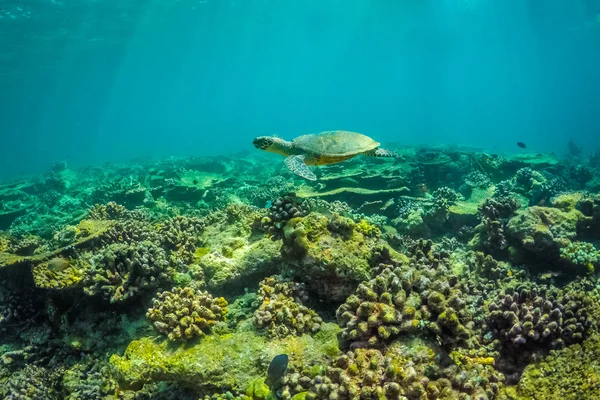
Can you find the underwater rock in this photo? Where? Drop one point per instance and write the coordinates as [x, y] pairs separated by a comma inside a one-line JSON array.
[[331, 255], [538, 234], [184, 313], [229, 362]]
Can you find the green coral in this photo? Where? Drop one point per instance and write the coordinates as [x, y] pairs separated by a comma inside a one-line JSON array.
[[329, 254], [572, 372], [184, 313], [581, 254], [403, 371]]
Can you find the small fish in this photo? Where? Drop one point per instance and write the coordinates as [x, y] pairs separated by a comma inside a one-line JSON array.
[[58, 264], [522, 145], [276, 370], [269, 204]]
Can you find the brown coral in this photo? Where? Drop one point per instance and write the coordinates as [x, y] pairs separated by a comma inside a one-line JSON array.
[[281, 312], [184, 313]]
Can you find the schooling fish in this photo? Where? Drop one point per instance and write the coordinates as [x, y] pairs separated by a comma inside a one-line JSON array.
[[276, 370], [522, 145]]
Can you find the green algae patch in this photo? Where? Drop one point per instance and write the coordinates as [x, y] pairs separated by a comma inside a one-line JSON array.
[[332, 256], [569, 373], [226, 361]]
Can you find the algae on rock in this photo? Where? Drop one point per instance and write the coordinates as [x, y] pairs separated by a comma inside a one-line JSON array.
[[228, 361]]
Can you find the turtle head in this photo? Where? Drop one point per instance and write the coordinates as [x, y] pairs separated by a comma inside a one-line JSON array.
[[263, 142], [273, 144]]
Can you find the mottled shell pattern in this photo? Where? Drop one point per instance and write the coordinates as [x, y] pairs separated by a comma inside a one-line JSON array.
[[335, 143]]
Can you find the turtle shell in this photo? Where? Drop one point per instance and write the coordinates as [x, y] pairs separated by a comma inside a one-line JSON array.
[[335, 143]]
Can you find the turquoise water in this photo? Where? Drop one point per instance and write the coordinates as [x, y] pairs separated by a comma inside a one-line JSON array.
[[95, 81], [169, 232]]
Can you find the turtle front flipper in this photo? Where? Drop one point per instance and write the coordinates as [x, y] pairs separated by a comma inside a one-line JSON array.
[[297, 165], [379, 152]]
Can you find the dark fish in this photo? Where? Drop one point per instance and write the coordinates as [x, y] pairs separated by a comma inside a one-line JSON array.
[[522, 145], [58, 264], [276, 370]]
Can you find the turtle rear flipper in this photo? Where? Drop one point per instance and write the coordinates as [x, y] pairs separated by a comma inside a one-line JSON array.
[[379, 152], [297, 165]]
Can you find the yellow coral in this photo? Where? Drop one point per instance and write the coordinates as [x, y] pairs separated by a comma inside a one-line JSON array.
[[367, 229]]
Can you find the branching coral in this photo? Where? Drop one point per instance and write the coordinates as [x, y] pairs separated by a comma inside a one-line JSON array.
[[181, 234], [110, 210], [525, 318], [26, 245], [120, 271], [89, 381], [184, 313], [404, 300], [31, 383], [581, 255], [130, 231], [394, 375], [494, 214], [282, 210], [281, 312]]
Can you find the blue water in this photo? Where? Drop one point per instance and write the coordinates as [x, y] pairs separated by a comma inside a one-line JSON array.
[[96, 81]]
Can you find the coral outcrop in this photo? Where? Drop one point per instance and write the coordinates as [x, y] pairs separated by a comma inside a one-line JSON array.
[[402, 372], [281, 312], [185, 313], [229, 362], [331, 255], [539, 317], [406, 299], [280, 212], [120, 272]]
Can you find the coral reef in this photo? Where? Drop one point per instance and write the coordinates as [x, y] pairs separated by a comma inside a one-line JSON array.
[[405, 300], [399, 373], [494, 215], [32, 382], [331, 255], [563, 373], [539, 317], [280, 212], [281, 312], [451, 274], [184, 313], [121, 271]]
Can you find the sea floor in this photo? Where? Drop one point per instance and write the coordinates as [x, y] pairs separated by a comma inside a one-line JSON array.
[[448, 273]]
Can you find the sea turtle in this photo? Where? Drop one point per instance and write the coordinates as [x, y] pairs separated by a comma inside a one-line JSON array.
[[321, 149]]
